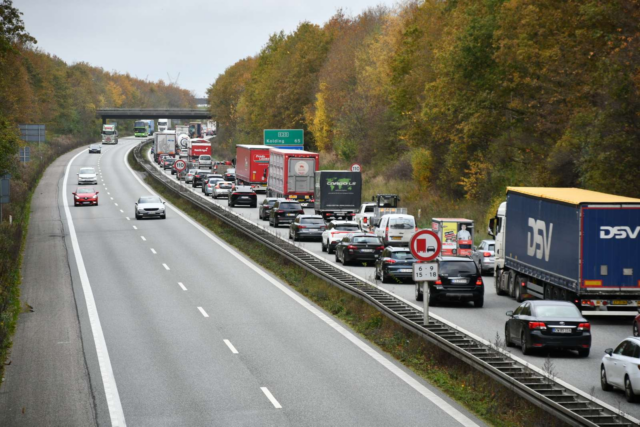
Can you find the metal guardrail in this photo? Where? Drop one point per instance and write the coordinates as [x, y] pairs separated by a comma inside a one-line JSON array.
[[539, 388]]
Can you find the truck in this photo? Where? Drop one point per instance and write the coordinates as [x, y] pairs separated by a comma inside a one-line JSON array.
[[110, 133], [164, 143], [291, 175], [143, 128], [252, 166], [199, 147], [183, 140], [385, 204], [364, 215], [337, 194], [195, 130], [164, 125], [456, 235], [569, 244]]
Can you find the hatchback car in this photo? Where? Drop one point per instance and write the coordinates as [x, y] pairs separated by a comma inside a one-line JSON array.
[[230, 175], [335, 231], [265, 207], [205, 161], [209, 185], [161, 158], [548, 324], [359, 247], [188, 178], [284, 212], [150, 207], [95, 148], [395, 263], [243, 196], [222, 189], [85, 196], [619, 368], [87, 176], [307, 227], [484, 255], [459, 280], [168, 162], [198, 177]]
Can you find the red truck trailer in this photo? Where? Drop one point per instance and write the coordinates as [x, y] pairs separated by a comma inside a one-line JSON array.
[[292, 175], [252, 166], [199, 148]]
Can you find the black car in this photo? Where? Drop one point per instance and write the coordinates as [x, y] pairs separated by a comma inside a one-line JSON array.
[[284, 212], [229, 175], [199, 177], [459, 280], [307, 227], [265, 207], [359, 247], [548, 324], [243, 196], [395, 263], [168, 163]]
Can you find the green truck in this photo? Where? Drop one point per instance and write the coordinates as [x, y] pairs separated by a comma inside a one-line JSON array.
[[143, 128]]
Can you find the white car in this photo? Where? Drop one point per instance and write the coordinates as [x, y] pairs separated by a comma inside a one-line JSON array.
[[205, 161], [396, 229], [334, 232], [87, 176], [619, 368]]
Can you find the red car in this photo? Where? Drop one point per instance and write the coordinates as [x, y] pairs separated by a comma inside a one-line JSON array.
[[636, 325], [85, 196]]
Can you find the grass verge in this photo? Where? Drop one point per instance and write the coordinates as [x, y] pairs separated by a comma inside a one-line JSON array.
[[495, 404]]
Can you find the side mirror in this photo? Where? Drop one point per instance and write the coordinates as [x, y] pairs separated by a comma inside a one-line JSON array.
[[97, 192], [510, 313], [74, 193], [136, 203], [373, 198], [164, 203], [609, 351], [492, 224]]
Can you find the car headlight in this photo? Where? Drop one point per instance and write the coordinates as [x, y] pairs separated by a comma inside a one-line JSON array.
[[77, 197]]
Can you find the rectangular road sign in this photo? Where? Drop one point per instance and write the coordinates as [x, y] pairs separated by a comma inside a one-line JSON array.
[[425, 272], [283, 137]]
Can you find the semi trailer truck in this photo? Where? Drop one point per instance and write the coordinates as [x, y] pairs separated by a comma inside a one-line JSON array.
[[337, 194], [291, 175], [252, 166], [569, 244], [110, 133]]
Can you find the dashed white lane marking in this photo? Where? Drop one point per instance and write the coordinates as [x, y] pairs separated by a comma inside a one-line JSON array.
[[204, 313], [116, 204], [121, 211], [135, 228], [182, 286], [142, 237], [153, 251], [128, 219], [111, 198], [231, 347], [106, 371], [166, 267], [270, 397], [108, 193]]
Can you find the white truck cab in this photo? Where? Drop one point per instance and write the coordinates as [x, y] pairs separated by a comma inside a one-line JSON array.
[[163, 125]]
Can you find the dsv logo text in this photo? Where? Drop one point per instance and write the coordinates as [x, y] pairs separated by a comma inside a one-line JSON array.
[[538, 239], [621, 232]]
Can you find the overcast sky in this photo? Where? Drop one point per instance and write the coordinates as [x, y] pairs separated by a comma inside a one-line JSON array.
[[149, 38]]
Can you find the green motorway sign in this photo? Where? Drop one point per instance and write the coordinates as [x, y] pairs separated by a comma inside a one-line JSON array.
[[283, 137]]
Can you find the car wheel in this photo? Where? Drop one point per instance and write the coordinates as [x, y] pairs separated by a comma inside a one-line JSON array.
[[478, 302], [290, 236], [584, 352], [344, 259], [337, 258], [324, 247], [635, 328], [628, 391], [275, 223], [137, 216], [377, 276], [419, 293], [329, 250], [383, 276], [433, 301], [523, 345], [603, 380], [507, 337]]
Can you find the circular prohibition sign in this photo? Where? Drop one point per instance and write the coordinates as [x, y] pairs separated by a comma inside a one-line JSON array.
[[425, 245], [180, 165]]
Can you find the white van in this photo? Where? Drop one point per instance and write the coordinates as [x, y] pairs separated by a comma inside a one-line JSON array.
[[205, 161], [396, 229]]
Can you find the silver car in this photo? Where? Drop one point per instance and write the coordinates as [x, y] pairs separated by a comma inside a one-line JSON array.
[[484, 255], [207, 188], [87, 176], [188, 178], [222, 188], [95, 148], [150, 207]]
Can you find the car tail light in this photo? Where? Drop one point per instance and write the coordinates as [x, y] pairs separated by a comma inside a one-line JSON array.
[[364, 219], [389, 261], [584, 327], [301, 212], [280, 211], [209, 185], [302, 226], [537, 325], [386, 233], [380, 248], [236, 194], [479, 282], [416, 228], [486, 254], [351, 214], [438, 282], [351, 247]]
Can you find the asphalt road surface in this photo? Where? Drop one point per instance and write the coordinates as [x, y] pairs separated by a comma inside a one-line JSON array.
[[180, 329], [488, 322]]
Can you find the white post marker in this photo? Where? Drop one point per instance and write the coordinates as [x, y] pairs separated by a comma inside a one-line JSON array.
[[425, 246]]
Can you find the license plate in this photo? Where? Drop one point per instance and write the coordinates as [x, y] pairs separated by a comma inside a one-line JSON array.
[[561, 330], [619, 302], [366, 250], [291, 214], [245, 197], [405, 270], [459, 281], [396, 237]]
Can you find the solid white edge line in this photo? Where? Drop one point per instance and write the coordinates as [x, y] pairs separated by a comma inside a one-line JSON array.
[[182, 286], [166, 267], [108, 379], [153, 251], [204, 313], [231, 347], [408, 379], [272, 399]]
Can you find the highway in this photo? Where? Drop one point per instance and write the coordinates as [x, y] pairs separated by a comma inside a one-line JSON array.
[[187, 331], [488, 322]]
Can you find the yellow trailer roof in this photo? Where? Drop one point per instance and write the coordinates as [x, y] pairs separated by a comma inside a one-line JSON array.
[[574, 196]]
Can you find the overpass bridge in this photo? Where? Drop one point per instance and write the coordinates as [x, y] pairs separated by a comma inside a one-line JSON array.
[[153, 113]]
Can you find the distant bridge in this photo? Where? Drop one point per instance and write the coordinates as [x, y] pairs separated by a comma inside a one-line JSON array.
[[152, 113]]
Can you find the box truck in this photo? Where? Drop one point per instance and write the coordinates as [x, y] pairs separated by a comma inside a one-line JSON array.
[[164, 125], [337, 194], [456, 235], [291, 175], [164, 143], [252, 166], [199, 148], [110, 133], [569, 244]]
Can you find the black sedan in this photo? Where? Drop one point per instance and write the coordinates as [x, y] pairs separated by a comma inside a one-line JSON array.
[[459, 280], [307, 227], [359, 247], [243, 196], [284, 211], [395, 263], [548, 324], [168, 163], [265, 207]]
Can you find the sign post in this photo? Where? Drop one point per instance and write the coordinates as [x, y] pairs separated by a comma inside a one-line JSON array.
[[425, 246]]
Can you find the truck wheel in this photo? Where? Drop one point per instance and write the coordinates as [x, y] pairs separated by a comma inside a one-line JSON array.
[[498, 283], [512, 279], [419, 293], [518, 290]]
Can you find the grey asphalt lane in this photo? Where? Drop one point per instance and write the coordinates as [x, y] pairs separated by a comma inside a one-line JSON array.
[[488, 322], [170, 361]]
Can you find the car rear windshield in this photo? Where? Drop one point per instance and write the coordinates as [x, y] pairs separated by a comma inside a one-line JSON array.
[[367, 239], [290, 206], [402, 223], [87, 170], [270, 203], [368, 209], [205, 157], [562, 311], [457, 268], [346, 227], [312, 221], [224, 185], [401, 255], [492, 247]]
